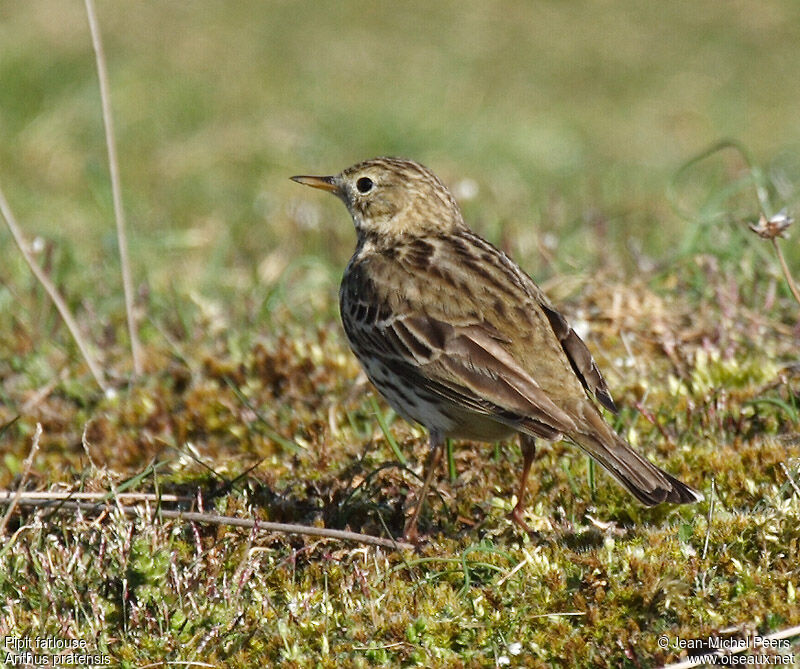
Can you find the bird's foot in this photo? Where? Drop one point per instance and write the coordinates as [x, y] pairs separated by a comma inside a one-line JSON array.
[[516, 516], [411, 535]]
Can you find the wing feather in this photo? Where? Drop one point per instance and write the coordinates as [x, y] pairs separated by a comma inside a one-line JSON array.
[[580, 358], [469, 366]]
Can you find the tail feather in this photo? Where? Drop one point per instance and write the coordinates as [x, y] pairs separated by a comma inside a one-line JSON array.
[[649, 484]]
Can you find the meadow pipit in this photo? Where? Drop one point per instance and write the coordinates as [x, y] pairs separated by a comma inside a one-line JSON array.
[[459, 339]]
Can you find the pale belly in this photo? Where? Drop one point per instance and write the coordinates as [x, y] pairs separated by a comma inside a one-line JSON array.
[[432, 412]]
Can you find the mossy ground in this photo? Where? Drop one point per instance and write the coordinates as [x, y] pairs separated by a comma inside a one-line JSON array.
[[579, 163]]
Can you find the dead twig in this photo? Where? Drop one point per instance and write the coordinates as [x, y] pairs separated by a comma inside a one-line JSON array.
[[214, 519], [5, 496]]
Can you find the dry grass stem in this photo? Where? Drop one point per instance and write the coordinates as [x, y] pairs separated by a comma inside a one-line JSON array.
[[52, 291], [710, 517], [18, 495], [116, 189], [786, 471], [772, 228], [786, 272]]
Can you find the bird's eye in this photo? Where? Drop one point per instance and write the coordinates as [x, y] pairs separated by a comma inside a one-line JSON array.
[[364, 185]]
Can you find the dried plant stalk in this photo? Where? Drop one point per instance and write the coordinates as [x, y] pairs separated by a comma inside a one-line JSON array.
[[786, 273], [116, 189], [772, 228], [52, 291]]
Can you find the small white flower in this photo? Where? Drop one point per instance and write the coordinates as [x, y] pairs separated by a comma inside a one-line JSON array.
[[773, 227]]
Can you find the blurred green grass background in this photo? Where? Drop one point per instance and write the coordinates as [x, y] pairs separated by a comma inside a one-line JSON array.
[[562, 114]]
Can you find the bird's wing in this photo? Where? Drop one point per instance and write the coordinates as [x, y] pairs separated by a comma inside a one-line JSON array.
[[470, 366], [531, 305], [580, 358], [522, 305]]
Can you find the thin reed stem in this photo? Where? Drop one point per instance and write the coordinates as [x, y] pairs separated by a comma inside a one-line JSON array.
[[52, 291], [26, 470], [786, 272], [116, 189]]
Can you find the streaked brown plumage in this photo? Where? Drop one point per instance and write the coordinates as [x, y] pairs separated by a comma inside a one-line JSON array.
[[458, 338]]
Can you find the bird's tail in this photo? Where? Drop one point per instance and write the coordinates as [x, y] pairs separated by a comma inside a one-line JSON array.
[[646, 482]]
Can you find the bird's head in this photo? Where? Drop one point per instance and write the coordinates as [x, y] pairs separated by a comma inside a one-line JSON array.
[[391, 198]]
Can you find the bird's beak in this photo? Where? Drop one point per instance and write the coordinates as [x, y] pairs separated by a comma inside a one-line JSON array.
[[324, 183]]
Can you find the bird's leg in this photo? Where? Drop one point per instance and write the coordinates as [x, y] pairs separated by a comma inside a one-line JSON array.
[[436, 442], [528, 445]]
